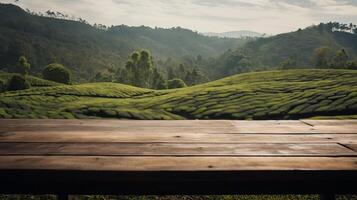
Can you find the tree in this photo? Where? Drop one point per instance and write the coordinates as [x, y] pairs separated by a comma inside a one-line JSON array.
[[102, 77], [340, 59], [352, 65], [321, 57], [57, 72], [176, 83], [195, 77], [3, 86], [23, 67], [171, 74], [18, 82], [288, 64], [159, 81], [140, 72]]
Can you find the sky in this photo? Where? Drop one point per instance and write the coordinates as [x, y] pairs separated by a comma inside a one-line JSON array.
[[263, 16]]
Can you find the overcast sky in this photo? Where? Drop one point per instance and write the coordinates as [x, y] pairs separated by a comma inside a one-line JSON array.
[[264, 16]]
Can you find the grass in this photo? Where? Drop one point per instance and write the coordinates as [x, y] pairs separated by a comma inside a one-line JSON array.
[[290, 94]]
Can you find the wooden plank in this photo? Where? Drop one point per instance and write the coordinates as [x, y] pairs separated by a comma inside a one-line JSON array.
[[273, 127], [193, 126], [352, 146], [120, 130], [127, 163], [116, 123], [333, 126], [174, 149], [114, 136], [330, 122]]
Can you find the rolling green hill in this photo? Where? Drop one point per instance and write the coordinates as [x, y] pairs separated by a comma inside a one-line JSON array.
[[289, 94], [86, 49], [34, 81]]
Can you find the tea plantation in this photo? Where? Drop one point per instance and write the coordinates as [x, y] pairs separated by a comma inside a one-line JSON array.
[[289, 94], [34, 81]]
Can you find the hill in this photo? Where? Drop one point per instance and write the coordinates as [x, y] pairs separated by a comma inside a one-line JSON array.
[[86, 49], [34, 81], [295, 50], [235, 34], [300, 45], [289, 94]]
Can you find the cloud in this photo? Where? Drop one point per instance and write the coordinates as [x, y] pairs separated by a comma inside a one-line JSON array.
[[266, 16]]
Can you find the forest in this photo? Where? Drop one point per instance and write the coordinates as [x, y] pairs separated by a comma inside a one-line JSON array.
[[97, 53]]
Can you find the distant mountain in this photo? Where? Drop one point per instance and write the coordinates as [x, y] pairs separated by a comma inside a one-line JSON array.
[[235, 34], [300, 45], [297, 48], [86, 49]]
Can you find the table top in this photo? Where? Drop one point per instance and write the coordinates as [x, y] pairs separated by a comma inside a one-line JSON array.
[[124, 151]]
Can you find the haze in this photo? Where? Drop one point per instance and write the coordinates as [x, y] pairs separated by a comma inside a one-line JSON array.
[[264, 16]]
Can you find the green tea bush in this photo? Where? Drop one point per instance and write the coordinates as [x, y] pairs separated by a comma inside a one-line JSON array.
[[289, 94], [176, 83], [3, 86], [57, 72], [18, 82]]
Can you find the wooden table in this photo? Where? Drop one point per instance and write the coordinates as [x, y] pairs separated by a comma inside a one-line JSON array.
[[178, 157]]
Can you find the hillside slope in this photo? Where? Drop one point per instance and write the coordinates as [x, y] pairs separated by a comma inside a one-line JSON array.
[[300, 45], [34, 81], [85, 49], [290, 94]]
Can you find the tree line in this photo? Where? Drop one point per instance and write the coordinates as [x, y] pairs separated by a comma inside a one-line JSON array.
[[140, 71], [19, 81]]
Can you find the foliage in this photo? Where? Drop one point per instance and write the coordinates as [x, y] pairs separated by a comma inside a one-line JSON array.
[[57, 73], [23, 67], [300, 46], [340, 59], [321, 57], [288, 64], [34, 81], [3, 86], [286, 94], [324, 58], [87, 50], [190, 70], [18, 82], [176, 83], [139, 71]]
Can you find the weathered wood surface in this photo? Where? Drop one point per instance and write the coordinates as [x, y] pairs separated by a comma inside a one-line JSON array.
[[178, 157]]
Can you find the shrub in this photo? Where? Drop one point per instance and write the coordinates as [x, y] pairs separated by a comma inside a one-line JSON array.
[[57, 72], [3, 86], [176, 83], [23, 67], [18, 82]]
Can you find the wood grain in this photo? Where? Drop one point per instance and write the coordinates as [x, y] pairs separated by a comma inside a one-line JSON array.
[[177, 157], [116, 123], [177, 126], [333, 126], [173, 149], [169, 163], [114, 136], [273, 126]]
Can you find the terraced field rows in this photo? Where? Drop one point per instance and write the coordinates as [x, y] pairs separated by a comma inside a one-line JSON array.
[[291, 94]]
